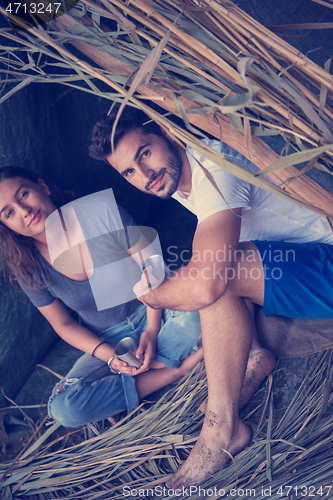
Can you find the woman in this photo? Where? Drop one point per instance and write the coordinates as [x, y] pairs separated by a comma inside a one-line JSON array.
[[99, 385]]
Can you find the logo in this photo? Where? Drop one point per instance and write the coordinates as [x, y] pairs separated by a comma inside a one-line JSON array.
[[26, 14], [88, 236]]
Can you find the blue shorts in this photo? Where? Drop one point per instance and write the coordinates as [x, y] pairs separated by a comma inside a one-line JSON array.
[[298, 279]]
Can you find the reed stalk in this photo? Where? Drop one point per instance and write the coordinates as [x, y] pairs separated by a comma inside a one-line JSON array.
[[215, 52]]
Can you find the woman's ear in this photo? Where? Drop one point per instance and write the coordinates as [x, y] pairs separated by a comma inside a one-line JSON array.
[[44, 186]]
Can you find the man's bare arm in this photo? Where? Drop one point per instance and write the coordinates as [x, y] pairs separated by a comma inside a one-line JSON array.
[[204, 279]]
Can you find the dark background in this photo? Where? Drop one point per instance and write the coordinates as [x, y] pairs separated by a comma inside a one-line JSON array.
[[45, 127]]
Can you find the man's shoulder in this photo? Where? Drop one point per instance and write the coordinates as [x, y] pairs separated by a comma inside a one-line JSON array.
[[197, 160], [214, 189], [206, 171], [219, 147], [213, 143]]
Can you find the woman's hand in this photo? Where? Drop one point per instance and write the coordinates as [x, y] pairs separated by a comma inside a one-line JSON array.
[[118, 365], [146, 350]]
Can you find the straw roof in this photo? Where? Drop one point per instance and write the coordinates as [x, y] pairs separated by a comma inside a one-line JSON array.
[[206, 61], [227, 76]]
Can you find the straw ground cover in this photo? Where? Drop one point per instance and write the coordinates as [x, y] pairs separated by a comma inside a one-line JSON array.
[[289, 454], [225, 76]]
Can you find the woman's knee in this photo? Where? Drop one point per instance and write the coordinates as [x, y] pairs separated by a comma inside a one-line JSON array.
[[65, 407], [179, 336]]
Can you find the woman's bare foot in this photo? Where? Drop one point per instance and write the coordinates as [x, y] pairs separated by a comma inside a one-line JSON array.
[[153, 380], [260, 364], [113, 420], [209, 454]]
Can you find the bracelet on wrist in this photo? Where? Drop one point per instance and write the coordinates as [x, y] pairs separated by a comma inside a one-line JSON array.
[[110, 365], [104, 342]]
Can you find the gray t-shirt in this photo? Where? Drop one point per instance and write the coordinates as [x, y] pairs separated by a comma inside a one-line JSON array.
[[108, 231]]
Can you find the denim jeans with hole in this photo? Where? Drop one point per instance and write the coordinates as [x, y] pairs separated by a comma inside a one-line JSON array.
[[91, 392]]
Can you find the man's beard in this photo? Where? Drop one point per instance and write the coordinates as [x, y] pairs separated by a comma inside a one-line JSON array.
[[174, 162]]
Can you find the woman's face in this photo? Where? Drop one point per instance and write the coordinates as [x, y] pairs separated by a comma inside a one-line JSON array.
[[25, 206]]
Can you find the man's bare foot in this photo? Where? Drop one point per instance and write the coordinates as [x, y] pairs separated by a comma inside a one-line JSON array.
[[208, 455], [260, 364]]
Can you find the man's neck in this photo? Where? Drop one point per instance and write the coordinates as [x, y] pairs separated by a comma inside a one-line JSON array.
[[185, 179]]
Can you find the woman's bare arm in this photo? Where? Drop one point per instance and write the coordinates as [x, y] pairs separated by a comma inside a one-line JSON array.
[[79, 336]]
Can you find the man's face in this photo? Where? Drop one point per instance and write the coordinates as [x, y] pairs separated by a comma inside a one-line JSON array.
[[149, 162]]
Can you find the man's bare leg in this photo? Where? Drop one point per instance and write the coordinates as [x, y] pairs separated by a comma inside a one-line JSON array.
[[260, 364], [227, 338], [227, 334]]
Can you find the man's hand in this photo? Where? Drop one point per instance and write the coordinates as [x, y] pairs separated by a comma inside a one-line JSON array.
[[144, 288], [146, 350], [205, 278]]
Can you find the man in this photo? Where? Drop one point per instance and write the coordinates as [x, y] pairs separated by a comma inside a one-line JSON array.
[[236, 211]]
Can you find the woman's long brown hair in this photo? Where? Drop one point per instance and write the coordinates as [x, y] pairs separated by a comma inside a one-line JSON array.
[[17, 251]]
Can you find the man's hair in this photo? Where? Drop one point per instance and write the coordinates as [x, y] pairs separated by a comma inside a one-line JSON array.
[[130, 119]]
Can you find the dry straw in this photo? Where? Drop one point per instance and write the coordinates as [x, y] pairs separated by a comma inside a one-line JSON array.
[[207, 61], [229, 77], [289, 450]]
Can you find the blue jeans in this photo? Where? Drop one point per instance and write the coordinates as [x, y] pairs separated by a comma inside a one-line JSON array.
[[91, 392]]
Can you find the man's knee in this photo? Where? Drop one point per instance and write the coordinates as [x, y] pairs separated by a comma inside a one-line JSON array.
[[248, 274]]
